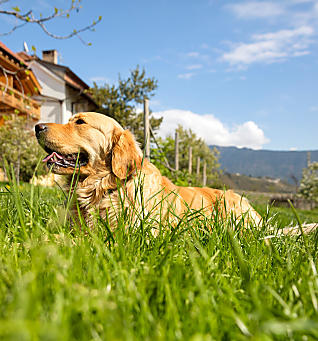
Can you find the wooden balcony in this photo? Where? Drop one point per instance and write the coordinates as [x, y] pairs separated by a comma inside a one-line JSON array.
[[13, 101]]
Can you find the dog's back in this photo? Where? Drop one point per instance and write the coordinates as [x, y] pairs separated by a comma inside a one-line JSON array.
[[210, 199]]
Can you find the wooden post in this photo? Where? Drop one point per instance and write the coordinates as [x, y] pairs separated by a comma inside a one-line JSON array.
[[176, 151], [146, 129], [10, 81], [308, 159], [198, 167], [190, 160], [204, 174]]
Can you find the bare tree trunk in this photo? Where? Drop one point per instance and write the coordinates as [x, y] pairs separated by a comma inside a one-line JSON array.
[[146, 129], [198, 167], [190, 160], [204, 174], [176, 151]]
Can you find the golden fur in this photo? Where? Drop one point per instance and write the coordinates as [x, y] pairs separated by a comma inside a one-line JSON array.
[[117, 176]]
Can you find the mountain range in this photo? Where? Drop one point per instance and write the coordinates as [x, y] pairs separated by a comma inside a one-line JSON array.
[[284, 165]]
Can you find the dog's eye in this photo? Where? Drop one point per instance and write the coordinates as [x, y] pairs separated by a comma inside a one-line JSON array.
[[80, 121]]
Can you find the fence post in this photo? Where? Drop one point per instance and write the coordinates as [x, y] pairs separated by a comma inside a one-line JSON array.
[[204, 174], [198, 167], [190, 160], [146, 129], [176, 151], [308, 159]]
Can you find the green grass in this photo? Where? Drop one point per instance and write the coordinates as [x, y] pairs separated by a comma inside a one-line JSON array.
[[65, 282]]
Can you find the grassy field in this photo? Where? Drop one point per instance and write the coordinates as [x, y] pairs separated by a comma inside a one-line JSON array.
[[63, 282]]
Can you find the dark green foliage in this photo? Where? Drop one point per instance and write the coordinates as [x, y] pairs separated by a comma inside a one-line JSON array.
[[120, 101], [63, 282]]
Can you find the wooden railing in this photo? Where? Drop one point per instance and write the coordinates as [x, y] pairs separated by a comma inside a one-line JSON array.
[[19, 102]]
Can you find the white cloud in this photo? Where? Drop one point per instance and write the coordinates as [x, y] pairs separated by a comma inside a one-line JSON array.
[[194, 67], [291, 13], [256, 9], [271, 47], [285, 34], [212, 130], [186, 75]]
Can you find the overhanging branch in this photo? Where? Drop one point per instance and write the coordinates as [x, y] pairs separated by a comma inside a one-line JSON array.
[[30, 18]]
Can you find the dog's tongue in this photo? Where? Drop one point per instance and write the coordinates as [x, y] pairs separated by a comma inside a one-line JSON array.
[[49, 157]]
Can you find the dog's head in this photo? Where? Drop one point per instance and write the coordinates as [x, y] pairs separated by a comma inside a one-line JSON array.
[[88, 142]]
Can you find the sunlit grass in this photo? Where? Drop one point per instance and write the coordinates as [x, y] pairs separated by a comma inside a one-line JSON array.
[[60, 281]]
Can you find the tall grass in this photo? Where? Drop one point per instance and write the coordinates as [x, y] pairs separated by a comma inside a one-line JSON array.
[[62, 281]]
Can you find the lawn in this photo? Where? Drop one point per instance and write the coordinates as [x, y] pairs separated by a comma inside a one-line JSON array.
[[65, 282]]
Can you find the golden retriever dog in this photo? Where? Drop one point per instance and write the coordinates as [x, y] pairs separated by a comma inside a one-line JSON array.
[[113, 175]]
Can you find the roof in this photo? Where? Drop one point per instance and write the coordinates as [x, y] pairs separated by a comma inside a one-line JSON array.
[[13, 62], [62, 71], [11, 54], [18, 84], [69, 76]]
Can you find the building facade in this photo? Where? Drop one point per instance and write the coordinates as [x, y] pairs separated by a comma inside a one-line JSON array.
[[62, 92]]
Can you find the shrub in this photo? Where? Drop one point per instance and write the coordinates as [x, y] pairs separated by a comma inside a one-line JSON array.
[[18, 146], [308, 188]]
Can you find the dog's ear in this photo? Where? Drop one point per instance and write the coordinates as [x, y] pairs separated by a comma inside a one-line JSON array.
[[126, 155]]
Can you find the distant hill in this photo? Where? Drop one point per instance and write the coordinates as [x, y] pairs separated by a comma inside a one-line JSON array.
[[264, 163], [251, 184]]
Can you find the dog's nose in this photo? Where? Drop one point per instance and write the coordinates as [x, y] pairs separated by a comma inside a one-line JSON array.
[[39, 128]]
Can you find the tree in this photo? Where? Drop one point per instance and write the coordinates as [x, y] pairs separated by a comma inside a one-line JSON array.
[[19, 148], [121, 101], [29, 17], [308, 188], [200, 149]]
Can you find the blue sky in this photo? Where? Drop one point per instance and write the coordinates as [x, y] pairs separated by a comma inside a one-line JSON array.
[[238, 73]]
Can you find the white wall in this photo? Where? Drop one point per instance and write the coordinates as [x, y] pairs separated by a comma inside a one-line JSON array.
[[50, 110], [59, 101], [52, 85], [52, 94]]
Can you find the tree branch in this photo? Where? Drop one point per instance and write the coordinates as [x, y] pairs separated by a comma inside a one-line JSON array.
[[30, 18], [13, 29]]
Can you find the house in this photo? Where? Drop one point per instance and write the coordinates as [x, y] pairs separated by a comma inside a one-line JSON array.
[[62, 92], [17, 85]]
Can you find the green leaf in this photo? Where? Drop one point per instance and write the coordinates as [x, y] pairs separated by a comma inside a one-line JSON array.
[[17, 9]]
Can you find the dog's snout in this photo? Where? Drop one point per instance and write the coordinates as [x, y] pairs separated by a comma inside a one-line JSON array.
[[39, 128]]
